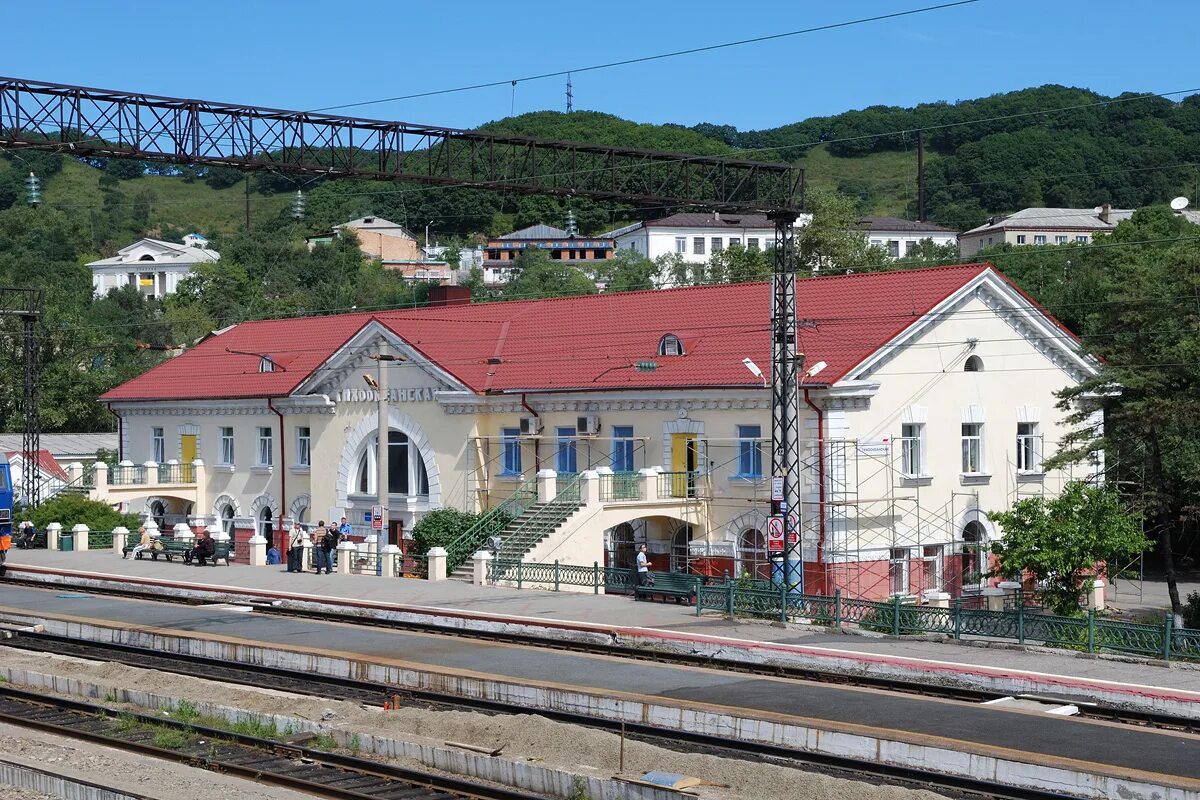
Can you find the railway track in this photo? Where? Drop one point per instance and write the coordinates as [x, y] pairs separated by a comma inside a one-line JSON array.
[[374, 694], [963, 694], [315, 772]]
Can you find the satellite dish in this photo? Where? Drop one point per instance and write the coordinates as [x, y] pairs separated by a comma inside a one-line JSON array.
[[1098, 210], [1179, 203]]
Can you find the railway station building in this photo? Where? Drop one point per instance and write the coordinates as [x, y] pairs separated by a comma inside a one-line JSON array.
[[928, 400]]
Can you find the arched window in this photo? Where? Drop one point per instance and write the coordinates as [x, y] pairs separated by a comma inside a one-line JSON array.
[[266, 364], [670, 345], [973, 364], [264, 524], [158, 512], [406, 468], [752, 555], [974, 554], [681, 549], [227, 520], [146, 257], [622, 554]]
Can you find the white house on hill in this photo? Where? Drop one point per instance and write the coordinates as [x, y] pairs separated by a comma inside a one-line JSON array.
[[154, 266]]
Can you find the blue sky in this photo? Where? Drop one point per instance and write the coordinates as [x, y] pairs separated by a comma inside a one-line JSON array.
[[304, 54]]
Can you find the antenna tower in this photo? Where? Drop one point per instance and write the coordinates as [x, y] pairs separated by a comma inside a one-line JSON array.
[[570, 95]]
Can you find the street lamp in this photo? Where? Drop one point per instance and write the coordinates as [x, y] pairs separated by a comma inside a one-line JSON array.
[[755, 370], [380, 385]]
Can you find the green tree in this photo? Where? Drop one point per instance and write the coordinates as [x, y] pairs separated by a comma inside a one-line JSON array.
[[1147, 390], [1060, 542], [538, 275], [70, 510], [630, 271], [737, 264], [833, 240]]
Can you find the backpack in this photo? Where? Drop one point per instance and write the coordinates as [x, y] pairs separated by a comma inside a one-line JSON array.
[[330, 540]]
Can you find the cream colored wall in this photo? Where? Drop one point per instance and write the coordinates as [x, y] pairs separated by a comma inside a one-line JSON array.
[[928, 373]]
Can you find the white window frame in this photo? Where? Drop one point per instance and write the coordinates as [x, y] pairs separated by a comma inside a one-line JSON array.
[[1020, 238], [935, 564], [158, 446], [1060, 239], [912, 449], [972, 440], [899, 560], [227, 447], [681, 245], [697, 245], [1029, 448], [1081, 240], [265, 452], [1039, 238], [750, 450], [303, 446]]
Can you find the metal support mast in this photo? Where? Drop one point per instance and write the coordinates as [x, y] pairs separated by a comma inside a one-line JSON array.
[[26, 306], [785, 400]]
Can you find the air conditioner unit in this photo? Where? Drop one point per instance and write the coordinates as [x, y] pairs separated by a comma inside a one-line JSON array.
[[530, 426], [587, 426]]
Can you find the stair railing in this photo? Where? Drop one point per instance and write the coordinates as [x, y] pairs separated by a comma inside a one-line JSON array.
[[548, 516], [490, 524], [81, 485]]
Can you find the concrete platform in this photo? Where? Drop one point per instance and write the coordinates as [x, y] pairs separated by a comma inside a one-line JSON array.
[[1145, 685], [1099, 759]]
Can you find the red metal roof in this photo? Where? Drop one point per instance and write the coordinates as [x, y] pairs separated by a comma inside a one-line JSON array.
[[576, 343], [46, 462]]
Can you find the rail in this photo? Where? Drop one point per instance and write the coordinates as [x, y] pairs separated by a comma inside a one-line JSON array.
[[213, 743], [176, 473], [490, 524], [619, 486], [677, 484], [528, 530], [128, 475]]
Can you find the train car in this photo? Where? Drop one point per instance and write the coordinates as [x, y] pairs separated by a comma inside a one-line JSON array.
[[6, 496]]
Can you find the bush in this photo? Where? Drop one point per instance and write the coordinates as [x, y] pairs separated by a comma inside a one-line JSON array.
[[72, 509], [1191, 611], [440, 528]]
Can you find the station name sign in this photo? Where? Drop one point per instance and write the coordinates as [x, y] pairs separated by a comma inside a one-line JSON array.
[[413, 394]]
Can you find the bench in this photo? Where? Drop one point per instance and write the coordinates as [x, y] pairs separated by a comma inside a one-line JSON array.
[[172, 548], [679, 585]]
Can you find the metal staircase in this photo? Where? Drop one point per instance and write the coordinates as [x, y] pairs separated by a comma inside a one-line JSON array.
[[534, 523]]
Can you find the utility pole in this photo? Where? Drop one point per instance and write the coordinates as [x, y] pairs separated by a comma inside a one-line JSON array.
[[920, 176], [382, 358], [785, 400]]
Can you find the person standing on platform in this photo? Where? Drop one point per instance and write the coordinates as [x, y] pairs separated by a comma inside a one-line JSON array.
[[323, 543], [295, 553], [643, 568], [5, 544], [343, 535]]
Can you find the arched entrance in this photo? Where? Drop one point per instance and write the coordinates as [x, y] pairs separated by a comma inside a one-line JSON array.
[[158, 513], [622, 551], [681, 548], [753, 559], [227, 520], [413, 480]]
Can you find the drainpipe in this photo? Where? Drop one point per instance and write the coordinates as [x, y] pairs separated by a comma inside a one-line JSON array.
[[820, 490], [537, 458], [282, 474]]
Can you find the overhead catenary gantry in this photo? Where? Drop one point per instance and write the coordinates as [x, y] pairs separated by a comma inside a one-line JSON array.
[[104, 123]]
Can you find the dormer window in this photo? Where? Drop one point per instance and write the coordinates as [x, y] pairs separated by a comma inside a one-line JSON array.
[[670, 345], [265, 364], [146, 257], [973, 364]]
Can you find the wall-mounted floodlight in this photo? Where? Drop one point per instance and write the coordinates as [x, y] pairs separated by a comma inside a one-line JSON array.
[[755, 370]]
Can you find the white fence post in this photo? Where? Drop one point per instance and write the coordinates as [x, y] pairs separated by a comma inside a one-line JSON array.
[[437, 563], [53, 531], [81, 537], [120, 537]]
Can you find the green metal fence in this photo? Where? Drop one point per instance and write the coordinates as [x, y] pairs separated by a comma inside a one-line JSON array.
[[555, 575], [98, 540], [619, 486], [1087, 632]]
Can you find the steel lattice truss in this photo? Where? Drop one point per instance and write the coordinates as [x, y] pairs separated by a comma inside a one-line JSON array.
[[105, 123]]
